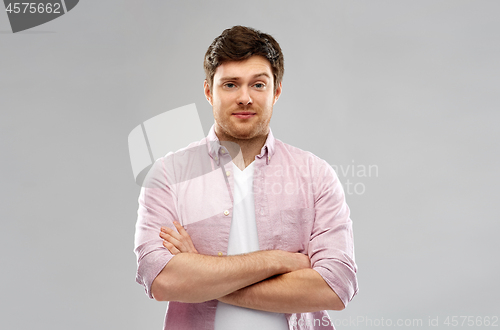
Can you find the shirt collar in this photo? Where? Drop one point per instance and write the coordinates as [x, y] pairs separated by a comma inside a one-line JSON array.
[[214, 147]]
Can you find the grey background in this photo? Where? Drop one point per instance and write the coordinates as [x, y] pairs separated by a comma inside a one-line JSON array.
[[408, 86]]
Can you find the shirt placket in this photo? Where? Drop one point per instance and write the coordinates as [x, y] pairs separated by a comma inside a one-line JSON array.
[[224, 162]]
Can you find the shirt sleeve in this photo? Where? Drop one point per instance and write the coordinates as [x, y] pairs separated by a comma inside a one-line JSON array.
[[157, 208], [331, 247]]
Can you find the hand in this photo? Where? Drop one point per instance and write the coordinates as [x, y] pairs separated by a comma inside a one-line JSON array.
[[295, 261], [303, 261], [177, 242]]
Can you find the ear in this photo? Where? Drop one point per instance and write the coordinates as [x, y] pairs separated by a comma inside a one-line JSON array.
[[208, 92], [278, 92]]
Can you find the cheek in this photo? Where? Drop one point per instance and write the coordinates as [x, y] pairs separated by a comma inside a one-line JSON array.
[[267, 99], [268, 103], [215, 105], [219, 101]]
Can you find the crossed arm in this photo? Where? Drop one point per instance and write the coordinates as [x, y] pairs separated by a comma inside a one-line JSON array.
[[274, 281]]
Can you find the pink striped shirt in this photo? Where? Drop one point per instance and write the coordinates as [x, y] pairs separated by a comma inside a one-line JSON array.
[[299, 207]]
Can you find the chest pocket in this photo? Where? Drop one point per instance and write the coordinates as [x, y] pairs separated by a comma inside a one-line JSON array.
[[296, 227]]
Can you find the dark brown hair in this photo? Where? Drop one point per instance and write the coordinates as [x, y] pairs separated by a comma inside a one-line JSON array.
[[239, 43]]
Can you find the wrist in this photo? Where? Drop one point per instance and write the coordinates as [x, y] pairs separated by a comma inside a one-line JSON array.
[[281, 260]]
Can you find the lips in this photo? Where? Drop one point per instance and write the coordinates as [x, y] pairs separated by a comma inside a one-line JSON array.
[[244, 114]]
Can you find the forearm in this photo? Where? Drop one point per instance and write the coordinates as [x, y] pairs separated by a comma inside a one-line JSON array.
[[193, 278], [299, 291]]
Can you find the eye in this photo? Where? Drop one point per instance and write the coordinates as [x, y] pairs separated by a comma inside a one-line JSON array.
[[229, 85], [260, 85]]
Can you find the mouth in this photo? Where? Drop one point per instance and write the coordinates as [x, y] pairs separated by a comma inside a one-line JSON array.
[[243, 114]]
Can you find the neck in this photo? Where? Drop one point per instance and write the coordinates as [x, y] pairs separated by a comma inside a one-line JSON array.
[[242, 151]]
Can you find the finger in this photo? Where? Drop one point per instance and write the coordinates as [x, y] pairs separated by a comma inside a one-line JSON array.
[[175, 242], [184, 234], [183, 243], [181, 230], [172, 233], [171, 247], [178, 244]]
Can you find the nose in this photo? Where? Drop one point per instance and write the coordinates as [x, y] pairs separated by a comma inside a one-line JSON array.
[[244, 96]]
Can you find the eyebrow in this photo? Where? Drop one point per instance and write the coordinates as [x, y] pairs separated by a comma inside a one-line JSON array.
[[253, 77]]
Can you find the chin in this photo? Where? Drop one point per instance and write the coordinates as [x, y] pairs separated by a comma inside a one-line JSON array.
[[241, 131], [238, 134]]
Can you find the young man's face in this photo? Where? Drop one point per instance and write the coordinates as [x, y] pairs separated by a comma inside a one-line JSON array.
[[242, 98]]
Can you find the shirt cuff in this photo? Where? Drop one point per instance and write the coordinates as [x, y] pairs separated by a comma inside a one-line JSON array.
[[341, 279], [149, 267]]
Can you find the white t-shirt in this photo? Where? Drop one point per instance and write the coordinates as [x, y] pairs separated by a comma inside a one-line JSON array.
[[243, 238]]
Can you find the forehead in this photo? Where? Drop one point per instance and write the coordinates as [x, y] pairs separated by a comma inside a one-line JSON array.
[[244, 69]]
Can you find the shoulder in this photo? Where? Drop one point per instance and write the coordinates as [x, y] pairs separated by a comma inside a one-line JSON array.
[[293, 155], [189, 153], [184, 164], [311, 168]]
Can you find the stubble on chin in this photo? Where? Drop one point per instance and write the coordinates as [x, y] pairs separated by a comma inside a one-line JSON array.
[[231, 132]]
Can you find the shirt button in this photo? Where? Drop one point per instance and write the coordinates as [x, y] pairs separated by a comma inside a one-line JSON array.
[[226, 212], [223, 151], [220, 254], [228, 173], [269, 157]]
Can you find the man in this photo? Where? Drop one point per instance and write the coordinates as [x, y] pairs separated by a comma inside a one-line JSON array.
[[240, 230]]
